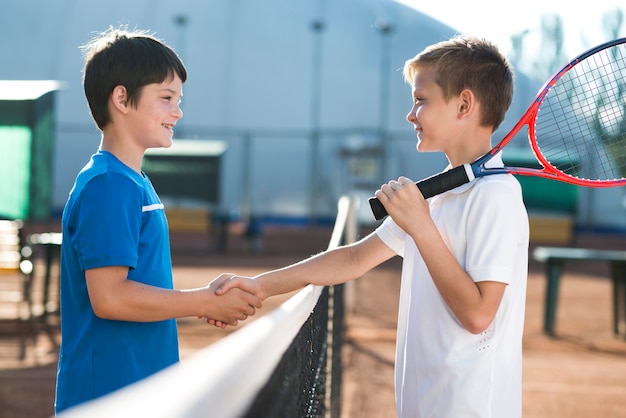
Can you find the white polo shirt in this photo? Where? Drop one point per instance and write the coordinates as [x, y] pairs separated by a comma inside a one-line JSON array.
[[442, 370]]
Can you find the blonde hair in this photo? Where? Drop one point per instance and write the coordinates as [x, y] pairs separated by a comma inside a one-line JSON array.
[[466, 62]]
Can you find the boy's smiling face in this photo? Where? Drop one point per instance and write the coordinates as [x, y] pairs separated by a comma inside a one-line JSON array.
[[156, 113], [431, 115]]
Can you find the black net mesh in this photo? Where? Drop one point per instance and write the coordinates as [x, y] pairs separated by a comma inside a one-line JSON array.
[[299, 384]]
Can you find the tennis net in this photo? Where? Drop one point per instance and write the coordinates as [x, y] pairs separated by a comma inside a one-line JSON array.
[[284, 364]]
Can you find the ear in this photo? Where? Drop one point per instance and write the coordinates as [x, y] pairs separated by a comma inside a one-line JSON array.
[[119, 99], [466, 103]]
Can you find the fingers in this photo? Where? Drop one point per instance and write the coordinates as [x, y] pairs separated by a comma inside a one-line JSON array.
[[219, 280], [230, 283], [402, 181], [245, 291], [218, 324], [405, 180], [389, 189], [246, 307], [238, 299], [253, 300], [246, 284], [250, 304], [237, 305], [214, 322], [233, 321]]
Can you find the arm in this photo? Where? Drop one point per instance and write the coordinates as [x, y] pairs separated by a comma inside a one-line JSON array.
[[96, 218], [330, 267], [474, 304], [113, 296]]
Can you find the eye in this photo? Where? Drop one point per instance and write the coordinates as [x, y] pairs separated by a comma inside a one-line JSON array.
[[172, 99]]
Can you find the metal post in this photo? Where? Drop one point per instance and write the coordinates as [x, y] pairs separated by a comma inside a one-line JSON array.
[[181, 22], [385, 29], [317, 26]]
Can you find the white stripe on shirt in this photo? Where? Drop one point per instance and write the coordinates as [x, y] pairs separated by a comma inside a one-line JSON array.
[[155, 206]]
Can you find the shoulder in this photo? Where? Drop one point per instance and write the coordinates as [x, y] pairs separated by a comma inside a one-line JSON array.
[[499, 183], [102, 190], [497, 190], [497, 196], [106, 186], [105, 172]]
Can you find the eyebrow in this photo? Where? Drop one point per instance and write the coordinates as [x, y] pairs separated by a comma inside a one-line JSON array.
[[172, 91]]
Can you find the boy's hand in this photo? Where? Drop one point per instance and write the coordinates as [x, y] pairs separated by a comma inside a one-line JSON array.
[[404, 202], [246, 284], [215, 323], [231, 308]]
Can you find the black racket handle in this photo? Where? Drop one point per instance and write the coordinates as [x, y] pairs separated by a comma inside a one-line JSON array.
[[429, 187]]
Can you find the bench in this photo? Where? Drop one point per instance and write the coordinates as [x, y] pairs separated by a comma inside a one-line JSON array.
[[15, 260], [554, 259], [50, 242]]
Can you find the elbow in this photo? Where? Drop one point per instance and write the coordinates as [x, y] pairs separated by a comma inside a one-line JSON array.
[[478, 324], [104, 308], [103, 312]]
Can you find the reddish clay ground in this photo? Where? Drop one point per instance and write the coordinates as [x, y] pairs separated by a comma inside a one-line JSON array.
[[579, 373]]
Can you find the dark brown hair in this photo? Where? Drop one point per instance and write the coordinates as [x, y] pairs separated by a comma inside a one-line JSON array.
[[132, 59]]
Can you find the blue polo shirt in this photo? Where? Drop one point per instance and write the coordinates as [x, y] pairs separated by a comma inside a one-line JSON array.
[[113, 217]]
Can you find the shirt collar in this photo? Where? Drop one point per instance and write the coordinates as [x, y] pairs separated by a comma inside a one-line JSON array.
[[493, 162]]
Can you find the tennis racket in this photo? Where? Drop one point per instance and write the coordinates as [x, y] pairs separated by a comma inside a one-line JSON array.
[[576, 128]]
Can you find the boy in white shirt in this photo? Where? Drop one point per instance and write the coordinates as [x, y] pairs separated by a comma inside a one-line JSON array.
[[465, 252]]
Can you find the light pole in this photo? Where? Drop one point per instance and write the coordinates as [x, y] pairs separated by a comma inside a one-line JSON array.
[[385, 29], [181, 22], [317, 27]]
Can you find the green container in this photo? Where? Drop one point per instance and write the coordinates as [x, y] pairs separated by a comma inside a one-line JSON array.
[[188, 172], [27, 125], [541, 194]]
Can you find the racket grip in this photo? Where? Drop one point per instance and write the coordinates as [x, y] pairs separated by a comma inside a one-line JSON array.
[[431, 186]]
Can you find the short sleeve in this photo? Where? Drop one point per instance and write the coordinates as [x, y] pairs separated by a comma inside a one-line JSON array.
[[108, 222], [392, 235], [496, 228]]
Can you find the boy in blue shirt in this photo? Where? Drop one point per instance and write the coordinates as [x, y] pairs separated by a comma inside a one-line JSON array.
[[118, 304]]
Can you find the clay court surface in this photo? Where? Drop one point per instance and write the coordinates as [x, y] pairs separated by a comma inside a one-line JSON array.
[[579, 373]]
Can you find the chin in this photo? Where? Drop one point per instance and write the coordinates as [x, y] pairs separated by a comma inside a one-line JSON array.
[[166, 144], [420, 147]]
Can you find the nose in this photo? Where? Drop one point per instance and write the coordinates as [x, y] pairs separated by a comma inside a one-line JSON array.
[[410, 117], [178, 112]]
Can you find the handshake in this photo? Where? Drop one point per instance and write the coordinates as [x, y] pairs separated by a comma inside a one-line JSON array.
[[232, 299]]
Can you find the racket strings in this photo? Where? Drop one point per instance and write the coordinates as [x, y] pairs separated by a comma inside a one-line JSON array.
[[580, 127]]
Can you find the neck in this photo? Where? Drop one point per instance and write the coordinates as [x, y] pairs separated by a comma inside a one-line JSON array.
[[467, 156], [124, 152], [471, 146]]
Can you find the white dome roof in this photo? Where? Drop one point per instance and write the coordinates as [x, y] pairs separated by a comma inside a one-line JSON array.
[[256, 69], [250, 62]]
